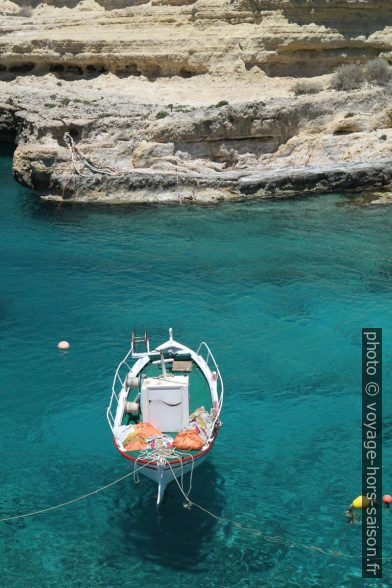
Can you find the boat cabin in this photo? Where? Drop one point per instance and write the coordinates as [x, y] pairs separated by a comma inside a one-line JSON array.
[[166, 393], [165, 402]]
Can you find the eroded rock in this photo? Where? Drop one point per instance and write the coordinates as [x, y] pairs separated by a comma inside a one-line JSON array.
[[192, 99]]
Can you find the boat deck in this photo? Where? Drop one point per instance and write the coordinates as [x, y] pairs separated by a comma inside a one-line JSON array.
[[199, 395]]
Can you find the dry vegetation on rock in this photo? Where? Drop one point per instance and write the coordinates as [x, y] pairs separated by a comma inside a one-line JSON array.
[[350, 77]]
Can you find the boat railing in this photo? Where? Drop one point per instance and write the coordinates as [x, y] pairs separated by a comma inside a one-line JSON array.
[[205, 352], [119, 381], [117, 386]]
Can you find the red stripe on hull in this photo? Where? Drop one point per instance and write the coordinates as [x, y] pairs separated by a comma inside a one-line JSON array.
[[151, 464]]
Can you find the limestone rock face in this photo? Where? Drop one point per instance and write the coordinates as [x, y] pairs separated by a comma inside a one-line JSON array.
[[187, 38], [192, 98]]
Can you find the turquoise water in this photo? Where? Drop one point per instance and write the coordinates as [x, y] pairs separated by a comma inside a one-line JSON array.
[[281, 291]]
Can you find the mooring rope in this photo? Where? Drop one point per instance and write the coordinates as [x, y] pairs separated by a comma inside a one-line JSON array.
[[84, 160], [188, 504], [257, 532], [79, 498], [161, 456], [69, 171], [181, 486]]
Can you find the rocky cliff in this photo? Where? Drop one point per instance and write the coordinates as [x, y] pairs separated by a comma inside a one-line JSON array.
[[175, 99]]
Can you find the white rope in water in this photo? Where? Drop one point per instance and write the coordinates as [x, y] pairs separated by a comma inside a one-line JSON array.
[[257, 532], [79, 498], [188, 504]]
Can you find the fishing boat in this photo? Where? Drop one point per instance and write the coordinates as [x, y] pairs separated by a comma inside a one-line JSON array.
[[164, 408]]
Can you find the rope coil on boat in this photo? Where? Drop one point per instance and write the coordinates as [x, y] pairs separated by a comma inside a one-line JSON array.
[[161, 456]]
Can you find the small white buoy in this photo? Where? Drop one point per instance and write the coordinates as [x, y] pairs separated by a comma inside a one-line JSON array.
[[63, 345]]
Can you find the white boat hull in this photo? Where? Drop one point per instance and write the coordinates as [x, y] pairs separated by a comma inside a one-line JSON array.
[[164, 474], [159, 470]]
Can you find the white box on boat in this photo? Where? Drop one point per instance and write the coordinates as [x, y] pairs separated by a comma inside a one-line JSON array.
[[165, 402]]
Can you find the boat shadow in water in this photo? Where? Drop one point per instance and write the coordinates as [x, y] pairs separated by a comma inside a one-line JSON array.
[[173, 536]]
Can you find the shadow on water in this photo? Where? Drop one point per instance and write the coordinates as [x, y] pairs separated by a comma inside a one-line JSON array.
[[79, 213], [174, 537], [6, 149]]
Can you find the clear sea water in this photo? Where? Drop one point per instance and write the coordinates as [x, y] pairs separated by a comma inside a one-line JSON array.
[[281, 291]]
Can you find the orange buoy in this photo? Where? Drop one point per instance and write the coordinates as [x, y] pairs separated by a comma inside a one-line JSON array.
[[387, 500], [63, 345]]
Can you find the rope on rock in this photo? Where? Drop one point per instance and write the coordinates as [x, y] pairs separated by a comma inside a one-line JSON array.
[[79, 160], [69, 173], [179, 198]]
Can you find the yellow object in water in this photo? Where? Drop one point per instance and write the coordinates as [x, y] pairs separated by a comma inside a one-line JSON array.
[[360, 502]]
